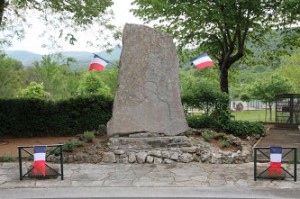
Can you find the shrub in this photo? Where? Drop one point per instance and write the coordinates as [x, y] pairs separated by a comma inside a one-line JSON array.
[[89, 136], [208, 136], [8, 158], [225, 143], [70, 145], [244, 128], [202, 121]]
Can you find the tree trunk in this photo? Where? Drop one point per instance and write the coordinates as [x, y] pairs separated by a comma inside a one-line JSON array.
[[3, 5], [224, 80], [270, 107]]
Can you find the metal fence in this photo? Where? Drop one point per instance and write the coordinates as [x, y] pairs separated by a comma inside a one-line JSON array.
[[262, 159], [56, 149]]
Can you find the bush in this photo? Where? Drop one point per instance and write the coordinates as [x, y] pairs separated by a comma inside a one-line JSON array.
[[8, 158], [225, 143], [208, 136], [89, 136], [235, 127], [244, 128], [202, 121], [70, 145], [36, 117]]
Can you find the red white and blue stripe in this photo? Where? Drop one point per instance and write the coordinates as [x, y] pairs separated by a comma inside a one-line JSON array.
[[98, 63], [202, 61], [275, 159], [39, 159]]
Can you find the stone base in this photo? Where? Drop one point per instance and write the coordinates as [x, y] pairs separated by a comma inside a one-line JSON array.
[[142, 143]]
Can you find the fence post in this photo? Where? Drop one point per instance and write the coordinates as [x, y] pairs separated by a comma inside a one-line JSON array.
[[20, 163], [255, 172], [61, 164], [295, 165]]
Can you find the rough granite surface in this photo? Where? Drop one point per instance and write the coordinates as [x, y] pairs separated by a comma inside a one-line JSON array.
[[148, 94]]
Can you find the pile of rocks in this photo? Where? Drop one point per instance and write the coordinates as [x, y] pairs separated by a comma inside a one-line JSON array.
[[202, 151]]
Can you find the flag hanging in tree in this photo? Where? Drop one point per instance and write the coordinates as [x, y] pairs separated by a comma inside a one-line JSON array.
[[202, 61], [39, 159], [98, 63], [275, 159]]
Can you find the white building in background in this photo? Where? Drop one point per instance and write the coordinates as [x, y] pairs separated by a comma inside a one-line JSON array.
[[237, 105]]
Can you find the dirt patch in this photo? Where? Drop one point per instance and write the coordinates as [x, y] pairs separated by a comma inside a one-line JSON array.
[[10, 146]]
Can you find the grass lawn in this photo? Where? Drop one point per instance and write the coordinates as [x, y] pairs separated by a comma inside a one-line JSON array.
[[254, 116]]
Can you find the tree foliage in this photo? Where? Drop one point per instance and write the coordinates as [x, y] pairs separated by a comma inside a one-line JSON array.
[[92, 84], [63, 18], [266, 89], [10, 77], [290, 69], [220, 27], [34, 91]]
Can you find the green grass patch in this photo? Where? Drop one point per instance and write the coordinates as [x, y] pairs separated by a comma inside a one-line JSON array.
[[254, 116]]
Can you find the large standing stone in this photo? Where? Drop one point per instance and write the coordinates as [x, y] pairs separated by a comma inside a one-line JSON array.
[[148, 96]]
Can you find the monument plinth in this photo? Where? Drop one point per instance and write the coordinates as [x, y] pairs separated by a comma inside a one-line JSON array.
[[148, 95]]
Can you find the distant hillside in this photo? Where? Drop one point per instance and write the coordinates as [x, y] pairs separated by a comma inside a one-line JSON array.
[[26, 57], [83, 59]]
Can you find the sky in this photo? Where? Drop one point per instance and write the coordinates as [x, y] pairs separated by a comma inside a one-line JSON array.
[[32, 42]]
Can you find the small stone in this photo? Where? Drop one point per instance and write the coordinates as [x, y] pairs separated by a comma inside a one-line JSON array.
[[174, 155], [205, 157], [191, 149], [157, 160], [155, 153], [165, 154], [109, 157], [186, 157], [149, 159], [119, 152], [123, 159], [141, 157], [216, 158], [168, 161], [196, 157], [131, 157]]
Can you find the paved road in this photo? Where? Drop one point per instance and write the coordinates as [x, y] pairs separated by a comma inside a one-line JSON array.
[[147, 180]]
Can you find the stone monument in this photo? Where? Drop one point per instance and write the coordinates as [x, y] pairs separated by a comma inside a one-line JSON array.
[[148, 95]]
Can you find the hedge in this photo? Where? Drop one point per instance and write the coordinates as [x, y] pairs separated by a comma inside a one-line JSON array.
[[34, 117], [235, 127]]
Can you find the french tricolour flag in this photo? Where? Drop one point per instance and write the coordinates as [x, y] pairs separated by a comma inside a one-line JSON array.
[[202, 61], [98, 63], [39, 159], [275, 159]]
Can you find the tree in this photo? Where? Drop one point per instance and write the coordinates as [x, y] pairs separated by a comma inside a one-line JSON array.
[[58, 79], [92, 84], [10, 77], [265, 90], [35, 90], [291, 70], [219, 27], [66, 17]]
